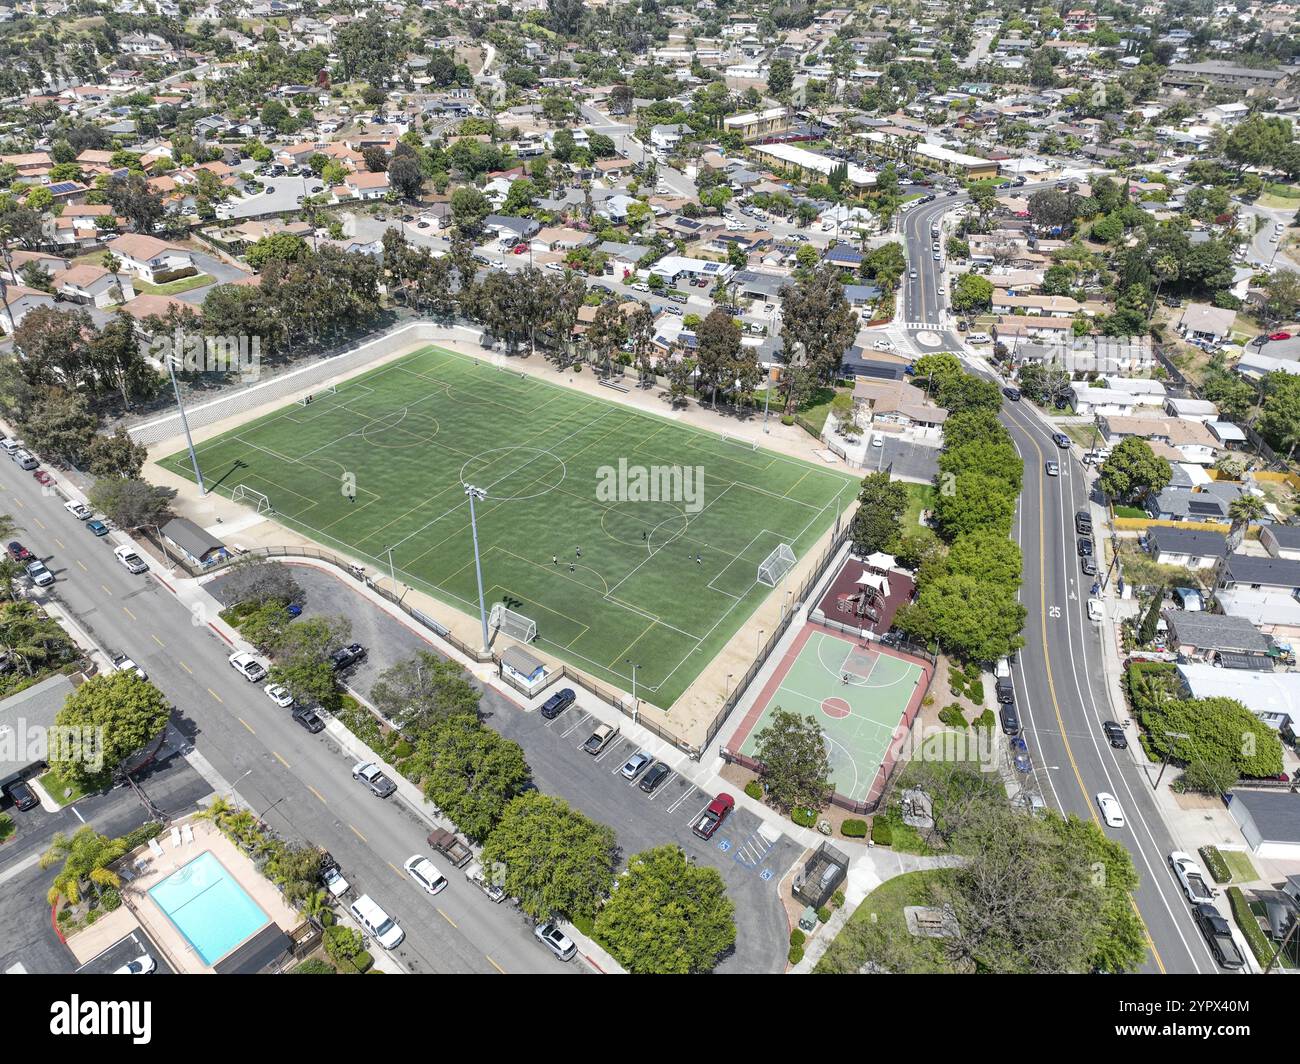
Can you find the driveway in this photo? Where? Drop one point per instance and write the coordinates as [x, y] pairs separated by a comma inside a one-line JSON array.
[[220, 272], [288, 192]]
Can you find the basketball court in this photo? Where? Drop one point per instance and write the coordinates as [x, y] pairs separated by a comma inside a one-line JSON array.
[[859, 693]]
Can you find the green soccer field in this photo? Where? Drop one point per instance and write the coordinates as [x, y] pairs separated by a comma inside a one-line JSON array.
[[660, 584]]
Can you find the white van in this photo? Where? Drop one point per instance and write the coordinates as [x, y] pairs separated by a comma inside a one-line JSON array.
[[375, 922], [25, 459], [978, 338], [1096, 611], [9, 446]]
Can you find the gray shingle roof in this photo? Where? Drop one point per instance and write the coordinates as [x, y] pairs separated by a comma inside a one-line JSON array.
[[1215, 631], [1270, 572], [1276, 813], [1287, 536], [1190, 541]]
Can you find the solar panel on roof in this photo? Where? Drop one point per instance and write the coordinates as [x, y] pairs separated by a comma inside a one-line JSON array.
[[1196, 507], [64, 186]]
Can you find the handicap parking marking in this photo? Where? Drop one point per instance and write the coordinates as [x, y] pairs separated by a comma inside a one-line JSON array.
[[753, 850], [765, 875], [724, 845]]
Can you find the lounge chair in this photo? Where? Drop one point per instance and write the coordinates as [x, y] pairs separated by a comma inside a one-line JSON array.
[[187, 833], [154, 848], [176, 838]]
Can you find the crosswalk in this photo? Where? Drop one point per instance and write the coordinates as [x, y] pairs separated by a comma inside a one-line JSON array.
[[918, 325]]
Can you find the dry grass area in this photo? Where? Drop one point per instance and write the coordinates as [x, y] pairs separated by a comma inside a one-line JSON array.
[[1140, 569]]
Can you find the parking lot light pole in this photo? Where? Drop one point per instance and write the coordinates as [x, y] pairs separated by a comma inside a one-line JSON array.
[[185, 424], [477, 493], [635, 704]]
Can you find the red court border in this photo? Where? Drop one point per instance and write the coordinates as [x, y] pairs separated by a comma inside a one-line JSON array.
[[782, 670]]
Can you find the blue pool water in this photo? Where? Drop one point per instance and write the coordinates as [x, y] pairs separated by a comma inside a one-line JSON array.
[[206, 905]]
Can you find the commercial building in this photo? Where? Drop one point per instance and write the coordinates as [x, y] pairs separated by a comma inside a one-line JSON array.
[[759, 123], [805, 162]]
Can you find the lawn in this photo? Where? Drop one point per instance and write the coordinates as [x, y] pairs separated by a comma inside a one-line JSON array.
[[1238, 861], [173, 288], [614, 576], [919, 497], [818, 406], [62, 791], [878, 926]]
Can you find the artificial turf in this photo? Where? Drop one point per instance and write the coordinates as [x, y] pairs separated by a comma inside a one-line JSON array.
[[661, 585]]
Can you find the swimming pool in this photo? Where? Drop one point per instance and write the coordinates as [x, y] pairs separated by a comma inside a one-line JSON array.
[[207, 906]]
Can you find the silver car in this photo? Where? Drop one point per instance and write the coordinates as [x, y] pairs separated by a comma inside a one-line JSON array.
[[556, 941]]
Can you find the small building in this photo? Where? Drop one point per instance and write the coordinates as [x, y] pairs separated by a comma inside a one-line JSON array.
[[1260, 574], [1188, 547], [1270, 821], [1209, 636], [153, 261], [196, 545], [28, 718], [821, 876], [1200, 321], [1281, 541]]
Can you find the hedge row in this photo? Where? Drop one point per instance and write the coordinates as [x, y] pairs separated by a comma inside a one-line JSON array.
[[1259, 945], [1215, 864]]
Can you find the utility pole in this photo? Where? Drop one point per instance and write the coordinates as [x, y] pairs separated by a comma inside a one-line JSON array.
[[1168, 754], [480, 494], [180, 406]]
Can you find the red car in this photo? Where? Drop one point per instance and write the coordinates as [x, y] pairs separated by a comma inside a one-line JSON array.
[[18, 552], [1280, 336], [520, 248], [711, 819], [42, 477]]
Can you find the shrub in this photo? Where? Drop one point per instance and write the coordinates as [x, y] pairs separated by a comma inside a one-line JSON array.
[[110, 899], [805, 818], [881, 833], [1259, 945], [577, 367], [976, 692], [795, 955], [585, 924], [402, 750], [312, 966], [1215, 864], [797, 937], [928, 700], [823, 914], [952, 716], [363, 961], [142, 834], [755, 790], [854, 829], [986, 720], [838, 899], [787, 419]]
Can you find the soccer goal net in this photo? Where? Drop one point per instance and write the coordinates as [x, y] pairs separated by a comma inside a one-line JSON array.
[[249, 497], [310, 397], [515, 625], [772, 569]]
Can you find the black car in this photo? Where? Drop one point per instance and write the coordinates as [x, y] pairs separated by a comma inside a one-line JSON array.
[[1061, 440], [346, 657], [1219, 938], [1085, 548], [655, 775], [21, 796], [558, 703], [1010, 718], [1012, 393], [1083, 523], [1114, 735], [1088, 566], [309, 719]]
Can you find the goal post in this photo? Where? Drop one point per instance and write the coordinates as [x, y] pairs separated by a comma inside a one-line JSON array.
[[251, 497], [324, 389], [515, 625], [773, 569]]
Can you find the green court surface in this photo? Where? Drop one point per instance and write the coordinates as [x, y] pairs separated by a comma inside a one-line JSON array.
[[661, 585], [858, 694]]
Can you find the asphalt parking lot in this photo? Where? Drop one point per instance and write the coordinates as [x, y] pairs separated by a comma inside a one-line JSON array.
[[915, 461], [751, 865], [133, 947]]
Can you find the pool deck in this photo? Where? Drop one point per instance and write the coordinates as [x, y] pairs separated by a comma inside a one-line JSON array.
[[150, 870]]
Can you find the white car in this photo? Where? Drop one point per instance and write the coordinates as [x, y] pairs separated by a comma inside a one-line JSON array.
[[80, 512], [554, 266], [247, 666], [122, 663], [1096, 611], [278, 695], [827, 226], [142, 965], [1111, 813], [556, 941], [425, 873], [1191, 878], [883, 345], [1052, 469], [130, 559]]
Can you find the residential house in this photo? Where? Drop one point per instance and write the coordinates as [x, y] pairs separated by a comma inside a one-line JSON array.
[[93, 286], [1260, 574], [1189, 547], [1281, 541], [1269, 820], [1211, 325], [152, 260], [1230, 642], [364, 185], [19, 301], [1191, 439], [899, 405]]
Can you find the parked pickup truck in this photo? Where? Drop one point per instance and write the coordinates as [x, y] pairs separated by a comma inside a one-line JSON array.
[[711, 819], [475, 874], [1191, 877], [451, 846], [600, 738], [331, 876], [1215, 929]]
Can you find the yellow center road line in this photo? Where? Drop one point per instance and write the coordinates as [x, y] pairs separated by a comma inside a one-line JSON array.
[[83, 568], [1051, 685], [59, 543], [318, 794], [130, 614], [494, 964], [106, 591], [246, 725], [184, 666], [358, 834], [39, 522], [448, 919], [282, 761], [396, 870], [154, 637], [222, 701]]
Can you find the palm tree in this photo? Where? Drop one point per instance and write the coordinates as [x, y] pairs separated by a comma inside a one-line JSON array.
[[1165, 269], [86, 856], [1243, 510], [113, 265], [10, 571]]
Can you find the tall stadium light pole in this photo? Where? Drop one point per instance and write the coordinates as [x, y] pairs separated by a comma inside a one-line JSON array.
[[185, 424], [628, 661], [477, 493], [392, 573]]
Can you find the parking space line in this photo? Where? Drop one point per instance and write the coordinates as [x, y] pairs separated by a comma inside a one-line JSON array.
[[105, 587], [395, 869], [246, 725], [184, 666], [39, 522], [83, 568], [685, 794], [157, 640], [59, 543]]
